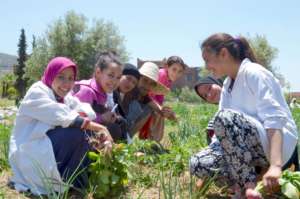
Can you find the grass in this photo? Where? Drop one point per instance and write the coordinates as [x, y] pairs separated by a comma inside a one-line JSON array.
[[4, 102], [4, 143], [156, 176]]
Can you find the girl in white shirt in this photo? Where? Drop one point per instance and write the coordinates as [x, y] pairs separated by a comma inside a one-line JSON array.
[[49, 140], [254, 124]]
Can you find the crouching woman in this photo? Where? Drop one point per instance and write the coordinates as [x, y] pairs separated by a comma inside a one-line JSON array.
[[49, 140], [254, 125]]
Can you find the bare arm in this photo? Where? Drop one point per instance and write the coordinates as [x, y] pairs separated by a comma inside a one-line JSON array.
[[155, 106], [275, 140], [165, 111], [270, 179]]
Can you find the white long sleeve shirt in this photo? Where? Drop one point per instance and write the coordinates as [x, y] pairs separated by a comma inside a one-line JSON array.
[[257, 93], [31, 154]]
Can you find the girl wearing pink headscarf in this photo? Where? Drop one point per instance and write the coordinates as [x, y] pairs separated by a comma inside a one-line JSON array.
[[48, 141]]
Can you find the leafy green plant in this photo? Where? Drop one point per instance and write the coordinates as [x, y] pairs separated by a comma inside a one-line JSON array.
[[289, 185], [169, 185], [108, 172]]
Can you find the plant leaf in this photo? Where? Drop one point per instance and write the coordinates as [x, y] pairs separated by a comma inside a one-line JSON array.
[[290, 191]]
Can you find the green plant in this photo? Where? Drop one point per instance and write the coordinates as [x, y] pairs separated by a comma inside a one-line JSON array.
[[12, 93], [289, 185], [183, 95], [5, 102], [108, 172], [4, 146], [169, 185], [1, 195]]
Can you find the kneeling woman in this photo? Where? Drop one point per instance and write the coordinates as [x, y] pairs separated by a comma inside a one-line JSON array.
[[49, 141], [254, 125]]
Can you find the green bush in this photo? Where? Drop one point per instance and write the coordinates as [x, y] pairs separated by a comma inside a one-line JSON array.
[[108, 173], [12, 93], [4, 146], [183, 95]]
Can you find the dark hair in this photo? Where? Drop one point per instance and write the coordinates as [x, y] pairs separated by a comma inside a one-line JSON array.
[[175, 60], [239, 47], [106, 58], [130, 69], [207, 80]]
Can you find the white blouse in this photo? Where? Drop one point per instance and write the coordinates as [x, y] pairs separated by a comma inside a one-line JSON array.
[[31, 154], [257, 93]]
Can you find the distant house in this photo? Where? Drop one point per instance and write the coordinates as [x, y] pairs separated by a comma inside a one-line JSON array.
[[294, 95], [189, 79]]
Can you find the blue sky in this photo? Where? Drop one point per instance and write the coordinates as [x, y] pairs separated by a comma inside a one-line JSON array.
[[160, 28]]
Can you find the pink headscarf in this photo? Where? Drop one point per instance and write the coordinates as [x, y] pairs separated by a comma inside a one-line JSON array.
[[55, 66]]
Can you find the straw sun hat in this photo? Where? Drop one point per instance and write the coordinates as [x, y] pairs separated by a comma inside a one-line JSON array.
[[151, 71]]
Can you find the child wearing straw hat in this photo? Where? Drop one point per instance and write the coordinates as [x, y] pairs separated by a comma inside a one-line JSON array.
[[138, 105], [173, 69]]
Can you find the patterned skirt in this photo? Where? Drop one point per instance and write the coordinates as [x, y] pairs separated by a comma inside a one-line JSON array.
[[235, 154]]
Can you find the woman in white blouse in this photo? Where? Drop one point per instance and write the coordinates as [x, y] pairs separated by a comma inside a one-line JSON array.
[[254, 124], [49, 140]]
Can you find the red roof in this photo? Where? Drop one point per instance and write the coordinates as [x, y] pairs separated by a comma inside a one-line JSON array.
[[295, 94]]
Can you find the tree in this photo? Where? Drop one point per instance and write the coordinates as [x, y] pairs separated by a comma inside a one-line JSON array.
[[71, 37], [265, 55], [19, 69], [7, 82], [264, 52], [33, 43]]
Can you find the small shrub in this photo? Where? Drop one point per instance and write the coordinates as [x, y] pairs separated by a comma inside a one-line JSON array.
[[4, 146], [12, 93], [183, 95], [108, 173]]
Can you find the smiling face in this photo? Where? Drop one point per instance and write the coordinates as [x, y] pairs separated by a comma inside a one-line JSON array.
[[175, 71], [215, 62], [127, 83], [145, 85], [209, 92], [63, 82], [109, 78]]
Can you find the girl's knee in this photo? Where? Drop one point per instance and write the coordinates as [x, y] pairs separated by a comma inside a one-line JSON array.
[[225, 122], [197, 166], [77, 135], [197, 169], [193, 164], [227, 115]]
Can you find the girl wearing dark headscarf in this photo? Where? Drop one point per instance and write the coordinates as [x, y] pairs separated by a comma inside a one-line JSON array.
[[209, 89]]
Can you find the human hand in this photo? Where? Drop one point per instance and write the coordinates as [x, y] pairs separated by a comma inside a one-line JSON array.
[[104, 135], [270, 179], [168, 113], [108, 117], [107, 149], [101, 141], [252, 192]]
